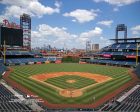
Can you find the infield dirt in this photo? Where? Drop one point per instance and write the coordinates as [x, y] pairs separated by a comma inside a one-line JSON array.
[[70, 92]]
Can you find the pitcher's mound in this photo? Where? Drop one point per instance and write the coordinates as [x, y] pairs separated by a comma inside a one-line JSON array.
[[71, 93], [71, 81]]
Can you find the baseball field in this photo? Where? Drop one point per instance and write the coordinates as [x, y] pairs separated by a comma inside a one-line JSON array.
[[70, 83]]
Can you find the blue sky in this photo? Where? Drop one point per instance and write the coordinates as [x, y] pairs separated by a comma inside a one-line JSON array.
[[70, 23]]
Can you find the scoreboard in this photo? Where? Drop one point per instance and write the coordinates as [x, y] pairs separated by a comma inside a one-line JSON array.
[[11, 36]]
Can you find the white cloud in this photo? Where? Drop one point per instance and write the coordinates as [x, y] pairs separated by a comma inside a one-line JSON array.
[[74, 20], [2, 18], [16, 2], [53, 35], [58, 4], [117, 2], [115, 9], [92, 33], [136, 29], [106, 22], [59, 37], [15, 8], [82, 15], [105, 41]]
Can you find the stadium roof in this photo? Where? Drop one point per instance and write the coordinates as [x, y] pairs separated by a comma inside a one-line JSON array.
[[127, 39]]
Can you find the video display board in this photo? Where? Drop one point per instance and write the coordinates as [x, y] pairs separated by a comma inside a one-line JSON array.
[[12, 37]]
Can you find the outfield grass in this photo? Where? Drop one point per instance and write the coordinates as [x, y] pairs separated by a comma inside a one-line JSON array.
[[61, 81], [120, 76]]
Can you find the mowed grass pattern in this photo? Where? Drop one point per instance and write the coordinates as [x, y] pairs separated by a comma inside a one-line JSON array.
[[61, 81], [21, 75]]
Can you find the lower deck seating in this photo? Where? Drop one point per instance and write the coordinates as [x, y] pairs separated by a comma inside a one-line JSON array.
[[24, 60], [27, 60], [2, 68], [112, 62], [130, 104], [9, 103], [138, 70]]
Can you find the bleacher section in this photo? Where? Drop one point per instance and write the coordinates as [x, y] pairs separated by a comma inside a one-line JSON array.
[[131, 102], [7, 103]]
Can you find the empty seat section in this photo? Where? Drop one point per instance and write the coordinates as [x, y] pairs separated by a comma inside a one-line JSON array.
[[8, 102]]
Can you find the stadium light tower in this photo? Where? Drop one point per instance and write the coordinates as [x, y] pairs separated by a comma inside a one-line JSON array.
[[121, 27], [25, 23], [88, 46]]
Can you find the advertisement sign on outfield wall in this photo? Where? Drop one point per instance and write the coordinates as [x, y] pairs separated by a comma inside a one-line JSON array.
[[107, 55], [131, 56]]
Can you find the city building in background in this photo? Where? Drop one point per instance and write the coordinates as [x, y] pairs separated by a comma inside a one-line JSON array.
[[95, 47]]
